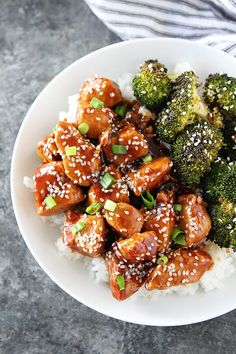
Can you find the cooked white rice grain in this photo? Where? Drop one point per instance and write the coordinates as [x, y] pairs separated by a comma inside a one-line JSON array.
[[73, 102], [224, 266], [97, 269], [54, 220], [65, 251], [96, 266], [145, 112], [188, 289], [28, 182], [125, 85]]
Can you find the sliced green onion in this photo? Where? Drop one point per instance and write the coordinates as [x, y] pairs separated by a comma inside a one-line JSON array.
[[178, 208], [180, 239], [162, 260], [50, 202], [120, 279], [53, 129], [74, 229], [110, 205], [93, 208], [176, 232], [118, 149], [120, 110], [83, 128], [147, 158], [96, 103], [70, 150], [148, 200], [80, 226], [107, 180], [178, 236]]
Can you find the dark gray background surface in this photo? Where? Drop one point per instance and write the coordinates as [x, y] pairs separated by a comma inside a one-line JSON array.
[[37, 40]]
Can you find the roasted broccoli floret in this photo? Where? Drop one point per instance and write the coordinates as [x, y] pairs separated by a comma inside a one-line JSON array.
[[194, 150], [224, 224], [151, 85], [220, 91], [215, 117], [229, 133], [182, 109], [219, 184]]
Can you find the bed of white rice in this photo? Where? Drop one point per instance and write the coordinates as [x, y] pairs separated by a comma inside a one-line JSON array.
[[224, 259]]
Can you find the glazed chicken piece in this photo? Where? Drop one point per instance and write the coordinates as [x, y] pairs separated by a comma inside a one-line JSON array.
[[103, 89], [140, 247], [131, 141], [104, 137], [141, 118], [98, 119], [183, 267], [117, 192], [161, 219], [125, 279], [47, 149], [80, 157], [85, 234], [194, 219], [126, 220], [54, 192], [150, 175]]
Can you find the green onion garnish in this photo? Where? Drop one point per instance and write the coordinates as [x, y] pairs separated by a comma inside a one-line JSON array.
[[162, 260], [54, 129], [93, 208], [147, 158], [120, 110], [110, 205], [118, 149], [178, 208], [96, 103], [70, 150], [50, 202], [148, 200], [120, 279], [83, 128], [107, 180], [74, 229], [178, 236], [80, 226]]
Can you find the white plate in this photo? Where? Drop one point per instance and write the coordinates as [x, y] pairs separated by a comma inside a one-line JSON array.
[[111, 61]]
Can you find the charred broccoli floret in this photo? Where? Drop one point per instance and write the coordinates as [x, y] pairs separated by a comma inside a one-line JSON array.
[[194, 150], [229, 133], [151, 85], [219, 184], [215, 118], [182, 109], [220, 91], [224, 224]]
